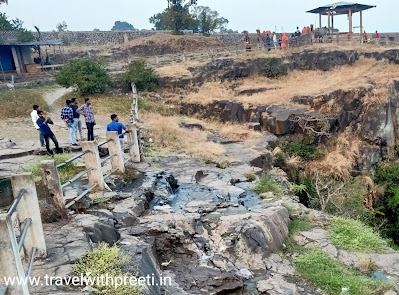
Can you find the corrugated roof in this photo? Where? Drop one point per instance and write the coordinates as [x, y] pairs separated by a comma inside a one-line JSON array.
[[34, 43], [341, 8]]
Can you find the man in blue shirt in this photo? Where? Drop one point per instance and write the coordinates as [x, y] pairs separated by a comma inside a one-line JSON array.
[[119, 127], [43, 122]]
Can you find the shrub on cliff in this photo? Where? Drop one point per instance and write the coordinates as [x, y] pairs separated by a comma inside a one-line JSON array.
[[272, 68], [144, 78], [85, 75]]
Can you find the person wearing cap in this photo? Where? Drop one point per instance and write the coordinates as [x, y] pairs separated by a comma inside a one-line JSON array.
[[118, 127], [67, 117], [34, 117], [87, 111], [76, 119]]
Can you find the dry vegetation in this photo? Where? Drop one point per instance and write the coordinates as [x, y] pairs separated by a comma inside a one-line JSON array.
[[341, 154], [365, 73], [168, 137]]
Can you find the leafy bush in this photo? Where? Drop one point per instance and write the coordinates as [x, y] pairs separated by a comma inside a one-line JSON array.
[[144, 78], [86, 75], [105, 260], [272, 68], [305, 151], [329, 275], [265, 185], [223, 164], [25, 36], [250, 176], [353, 235]]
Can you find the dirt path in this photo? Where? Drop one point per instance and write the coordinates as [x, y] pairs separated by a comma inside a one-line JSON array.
[[51, 98]]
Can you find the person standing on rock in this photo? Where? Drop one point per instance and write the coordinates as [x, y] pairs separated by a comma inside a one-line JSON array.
[[275, 41], [118, 127], [43, 123], [87, 111], [34, 117], [76, 119], [67, 117]]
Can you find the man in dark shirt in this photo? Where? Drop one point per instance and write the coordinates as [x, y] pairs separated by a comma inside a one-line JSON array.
[[43, 122], [76, 119]]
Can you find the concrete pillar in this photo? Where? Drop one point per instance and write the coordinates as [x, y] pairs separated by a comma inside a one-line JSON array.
[[10, 260], [183, 57], [350, 20], [329, 20], [16, 59], [29, 208], [320, 20], [156, 61], [92, 160], [361, 27], [114, 147], [52, 186], [133, 142]]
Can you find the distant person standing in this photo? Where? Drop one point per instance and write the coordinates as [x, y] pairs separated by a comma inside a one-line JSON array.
[[76, 119], [377, 37], [87, 111], [275, 41], [34, 117], [43, 123], [118, 127], [67, 117]]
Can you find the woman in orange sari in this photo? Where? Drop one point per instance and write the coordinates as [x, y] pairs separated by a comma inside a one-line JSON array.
[[284, 41]]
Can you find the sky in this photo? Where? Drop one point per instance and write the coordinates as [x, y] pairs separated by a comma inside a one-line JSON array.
[[280, 15]]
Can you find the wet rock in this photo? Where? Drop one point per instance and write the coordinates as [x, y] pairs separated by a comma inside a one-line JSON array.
[[48, 212], [100, 232], [276, 285], [127, 211], [6, 143], [191, 126], [264, 161]]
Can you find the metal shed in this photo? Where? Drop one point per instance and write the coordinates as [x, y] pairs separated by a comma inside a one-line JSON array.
[[341, 8]]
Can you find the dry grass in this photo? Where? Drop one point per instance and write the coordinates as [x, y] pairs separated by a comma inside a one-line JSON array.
[[365, 73], [168, 137], [230, 131], [19, 102], [341, 155]]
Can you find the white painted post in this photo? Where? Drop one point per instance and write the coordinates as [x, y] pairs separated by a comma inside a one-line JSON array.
[[134, 114], [52, 185], [132, 139], [114, 148], [10, 260], [29, 208], [156, 61], [183, 57], [92, 161]]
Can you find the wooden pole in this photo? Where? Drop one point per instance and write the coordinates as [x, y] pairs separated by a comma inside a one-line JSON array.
[[361, 27], [52, 186]]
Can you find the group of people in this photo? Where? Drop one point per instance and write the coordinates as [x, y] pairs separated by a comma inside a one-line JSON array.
[[268, 39], [71, 116]]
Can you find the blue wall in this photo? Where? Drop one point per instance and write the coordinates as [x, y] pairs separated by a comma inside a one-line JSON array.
[[6, 58]]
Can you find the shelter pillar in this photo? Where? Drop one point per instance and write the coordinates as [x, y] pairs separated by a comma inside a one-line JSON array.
[[329, 20], [320, 20], [350, 20], [361, 26], [15, 56]]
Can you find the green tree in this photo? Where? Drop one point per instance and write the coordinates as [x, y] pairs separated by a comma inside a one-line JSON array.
[[62, 27], [122, 26], [176, 17], [3, 1], [144, 78], [86, 75], [15, 25], [208, 20]]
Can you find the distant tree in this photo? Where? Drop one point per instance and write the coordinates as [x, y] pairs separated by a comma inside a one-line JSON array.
[[208, 20], [62, 27], [145, 78], [228, 31], [122, 26], [176, 17], [86, 75], [3, 1], [96, 30], [15, 25]]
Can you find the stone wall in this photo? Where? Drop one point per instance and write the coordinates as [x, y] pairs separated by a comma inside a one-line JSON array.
[[86, 38]]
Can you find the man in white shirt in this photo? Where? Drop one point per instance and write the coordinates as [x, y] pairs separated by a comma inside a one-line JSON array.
[[34, 117]]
